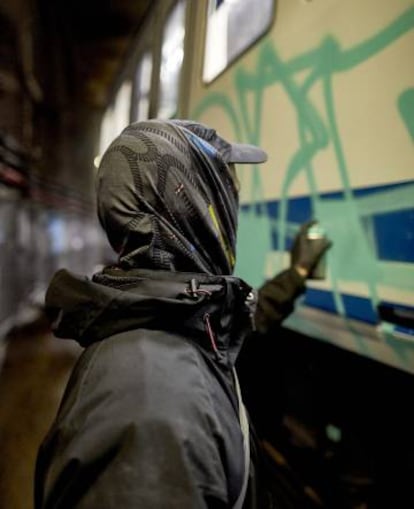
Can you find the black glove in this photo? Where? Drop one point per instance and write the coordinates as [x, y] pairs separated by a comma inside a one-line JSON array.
[[305, 253]]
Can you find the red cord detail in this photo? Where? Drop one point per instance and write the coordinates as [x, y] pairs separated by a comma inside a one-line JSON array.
[[210, 333]]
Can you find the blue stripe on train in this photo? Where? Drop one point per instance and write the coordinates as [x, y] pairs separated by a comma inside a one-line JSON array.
[[393, 231], [359, 308]]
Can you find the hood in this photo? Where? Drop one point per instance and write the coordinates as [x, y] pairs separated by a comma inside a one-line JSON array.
[[166, 201], [214, 311]]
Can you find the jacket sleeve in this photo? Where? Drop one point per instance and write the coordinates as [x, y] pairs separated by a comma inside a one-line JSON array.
[[257, 361], [105, 452], [276, 299], [108, 474]]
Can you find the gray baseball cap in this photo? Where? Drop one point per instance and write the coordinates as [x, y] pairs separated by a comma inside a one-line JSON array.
[[240, 153]]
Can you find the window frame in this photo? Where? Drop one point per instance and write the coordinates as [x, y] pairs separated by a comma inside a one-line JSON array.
[[162, 39], [135, 96], [235, 59]]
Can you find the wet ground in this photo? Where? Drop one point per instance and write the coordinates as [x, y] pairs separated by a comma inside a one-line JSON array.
[[34, 368]]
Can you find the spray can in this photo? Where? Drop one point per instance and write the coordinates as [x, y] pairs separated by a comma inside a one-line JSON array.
[[316, 234]]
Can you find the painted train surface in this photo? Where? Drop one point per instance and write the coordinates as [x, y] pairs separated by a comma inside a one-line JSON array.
[[331, 101], [327, 89], [328, 92]]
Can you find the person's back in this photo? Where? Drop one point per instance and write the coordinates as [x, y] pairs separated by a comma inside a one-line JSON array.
[[152, 415]]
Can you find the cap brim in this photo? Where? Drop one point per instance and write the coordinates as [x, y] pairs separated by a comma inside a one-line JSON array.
[[242, 153]]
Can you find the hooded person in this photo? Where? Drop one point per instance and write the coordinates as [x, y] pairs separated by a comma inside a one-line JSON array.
[[152, 415]]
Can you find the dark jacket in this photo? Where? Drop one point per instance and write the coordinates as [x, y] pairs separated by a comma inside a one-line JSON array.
[[258, 365], [150, 415], [276, 300]]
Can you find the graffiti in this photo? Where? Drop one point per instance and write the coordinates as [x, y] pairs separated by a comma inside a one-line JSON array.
[[406, 107], [351, 218]]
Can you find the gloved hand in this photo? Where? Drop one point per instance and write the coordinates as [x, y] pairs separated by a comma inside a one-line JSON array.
[[304, 256]]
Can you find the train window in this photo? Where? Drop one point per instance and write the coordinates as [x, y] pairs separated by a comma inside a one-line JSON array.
[[172, 54], [122, 107], [116, 118], [106, 134], [143, 87], [232, 26]]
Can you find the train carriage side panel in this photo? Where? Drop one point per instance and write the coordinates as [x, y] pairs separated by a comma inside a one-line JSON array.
[[329, 94]]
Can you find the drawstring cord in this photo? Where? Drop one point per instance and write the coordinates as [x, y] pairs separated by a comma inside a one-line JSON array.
[[210, 334], [196, 293], [194, 290]]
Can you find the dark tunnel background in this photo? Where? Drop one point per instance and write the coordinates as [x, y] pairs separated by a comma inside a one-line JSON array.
[[58, 62], [341, 424]]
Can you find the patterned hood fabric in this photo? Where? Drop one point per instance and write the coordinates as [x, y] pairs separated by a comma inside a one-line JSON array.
[[168, 200]]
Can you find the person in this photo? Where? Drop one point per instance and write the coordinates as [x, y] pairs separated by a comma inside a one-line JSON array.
[[152, 415]]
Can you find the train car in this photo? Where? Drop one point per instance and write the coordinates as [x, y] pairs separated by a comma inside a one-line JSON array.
[[327, 89]]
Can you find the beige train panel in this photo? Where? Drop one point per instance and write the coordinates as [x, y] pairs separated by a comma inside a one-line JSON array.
[[357, 57]]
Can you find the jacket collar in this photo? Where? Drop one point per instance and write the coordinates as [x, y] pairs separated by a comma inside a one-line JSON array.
[[213, 311]]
